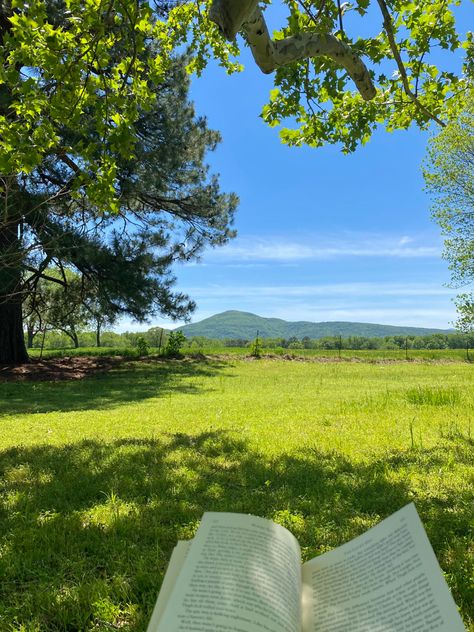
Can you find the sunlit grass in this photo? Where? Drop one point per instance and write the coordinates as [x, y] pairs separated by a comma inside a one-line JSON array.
[[433, 396], [100, 477], [367, 355]]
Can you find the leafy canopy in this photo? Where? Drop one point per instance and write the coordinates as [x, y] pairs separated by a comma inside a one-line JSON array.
[[70, 61], [416, 81]]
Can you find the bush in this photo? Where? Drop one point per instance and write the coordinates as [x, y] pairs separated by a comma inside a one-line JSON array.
[[176, 340], [142, 346], [256, 351]]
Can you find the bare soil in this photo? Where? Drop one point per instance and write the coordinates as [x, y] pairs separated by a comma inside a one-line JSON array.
[[56, 369], [77, 368]]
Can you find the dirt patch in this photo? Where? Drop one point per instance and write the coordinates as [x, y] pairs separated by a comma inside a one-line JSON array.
[[56, 369], [77, 368]]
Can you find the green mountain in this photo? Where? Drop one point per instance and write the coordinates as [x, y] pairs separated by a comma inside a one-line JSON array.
[[235, 324]]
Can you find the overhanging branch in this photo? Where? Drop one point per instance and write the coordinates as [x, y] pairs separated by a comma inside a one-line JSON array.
[[232, 16]]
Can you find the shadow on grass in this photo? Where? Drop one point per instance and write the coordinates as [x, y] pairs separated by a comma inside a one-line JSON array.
[[127, 382], [86, 530]]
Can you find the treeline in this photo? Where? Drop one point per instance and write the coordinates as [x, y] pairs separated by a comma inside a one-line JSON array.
[[156, 337], [432, 341]]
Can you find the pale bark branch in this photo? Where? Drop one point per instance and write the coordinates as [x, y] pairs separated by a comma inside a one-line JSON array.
[[270, 54], [232, 16]]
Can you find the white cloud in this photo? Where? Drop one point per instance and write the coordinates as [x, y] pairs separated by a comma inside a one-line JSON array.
[[333, 290], [252, 249]]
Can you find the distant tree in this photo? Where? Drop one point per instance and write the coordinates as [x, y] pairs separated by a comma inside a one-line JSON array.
[[34, 308], [100, 312], [156, 336], [294, 343], [465, 320], [63, 307], [449, 175]]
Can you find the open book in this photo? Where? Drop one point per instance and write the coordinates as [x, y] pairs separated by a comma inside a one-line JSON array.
[[244, 574]]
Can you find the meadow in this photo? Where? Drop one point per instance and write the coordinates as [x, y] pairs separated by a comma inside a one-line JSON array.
[[101, 476], [365, 355]]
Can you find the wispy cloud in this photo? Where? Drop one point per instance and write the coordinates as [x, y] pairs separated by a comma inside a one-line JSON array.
[[415, 317], [278, 249], [325, 290]]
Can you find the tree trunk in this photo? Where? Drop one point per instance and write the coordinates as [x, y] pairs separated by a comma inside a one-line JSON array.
[[12, 342], [97, 334], [30, 336]]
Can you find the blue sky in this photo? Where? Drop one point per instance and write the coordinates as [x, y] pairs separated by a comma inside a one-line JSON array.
[[321, 236]]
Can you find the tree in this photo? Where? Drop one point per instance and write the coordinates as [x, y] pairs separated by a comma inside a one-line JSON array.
[[122, 193], [449, 175], [64, 308], [56, 305], [465, 306], [100, 312], [34, 307]]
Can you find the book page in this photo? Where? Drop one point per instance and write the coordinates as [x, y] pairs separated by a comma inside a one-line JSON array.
[[386, 580], [242, 574], [175, 564]]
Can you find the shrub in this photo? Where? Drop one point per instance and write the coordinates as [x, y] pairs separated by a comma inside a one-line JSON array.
[[256, 351], [142, 346], [176, 340]]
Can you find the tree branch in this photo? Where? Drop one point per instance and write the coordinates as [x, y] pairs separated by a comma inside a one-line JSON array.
[[62, 155], [387, 23], [37, 274], [270, 54]]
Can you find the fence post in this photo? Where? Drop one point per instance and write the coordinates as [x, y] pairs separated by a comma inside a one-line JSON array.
[[159, 344]]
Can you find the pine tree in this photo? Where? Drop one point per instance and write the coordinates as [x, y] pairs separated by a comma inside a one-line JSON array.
[[164, 207]]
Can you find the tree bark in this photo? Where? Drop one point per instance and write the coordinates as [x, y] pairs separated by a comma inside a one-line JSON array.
[[232, 16], [30, 336], [97, 334], [12, 342], [270, 54], [71, 333]]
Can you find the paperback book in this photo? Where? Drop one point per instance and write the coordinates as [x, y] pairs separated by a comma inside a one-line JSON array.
[[243, 573]]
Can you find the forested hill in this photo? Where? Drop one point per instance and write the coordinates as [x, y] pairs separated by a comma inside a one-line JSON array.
[[235, 324]]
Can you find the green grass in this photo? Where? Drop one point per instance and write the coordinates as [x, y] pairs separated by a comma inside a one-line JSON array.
[[100, 477], [372, 355], [433, 396]]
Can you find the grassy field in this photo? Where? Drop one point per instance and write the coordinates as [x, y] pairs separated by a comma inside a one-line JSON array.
[[366, 355], [101, 476], [370, 355]]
